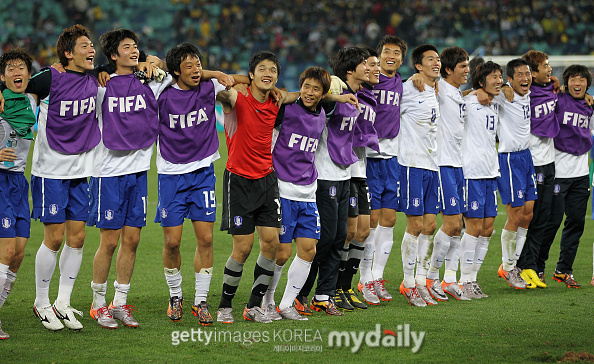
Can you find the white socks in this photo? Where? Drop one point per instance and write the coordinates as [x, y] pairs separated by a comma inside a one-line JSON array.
[[365, 265], [174, 280], [451, 260], [296, 277], [5, 291], [99, 290], [508, 249], [45, 264], [269, 296], [482, 245], [70, 261], [441, 244], [202, 284], [383, 241], [408, 250], [424, 249], [520, 240], [468, 249], [121, 293]]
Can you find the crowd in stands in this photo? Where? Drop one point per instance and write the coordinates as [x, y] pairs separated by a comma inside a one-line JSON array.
[[305, 32]]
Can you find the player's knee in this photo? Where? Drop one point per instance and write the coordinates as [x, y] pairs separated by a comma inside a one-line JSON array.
[[77, 240], [487, 231], [307, 253], [362, 234], [350, 235]]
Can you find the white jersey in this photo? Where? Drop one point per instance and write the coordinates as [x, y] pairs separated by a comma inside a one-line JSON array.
[[112, 163], [22, 148], [166, 167], [450, 126], [359, 168], [570, 166], [388, 149], [514, 123], [49, 163], [419, 111], [327, 169], [479, 154], [295, 192], [542, 150]]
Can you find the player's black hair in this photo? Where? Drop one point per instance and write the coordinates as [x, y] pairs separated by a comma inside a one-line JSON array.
[[179, 53], [15, 54], [67, 41], [577, 70], [262, 56], [110, 41], [390, 39], [347, 59], [372, 52], [510, 69], [450, 57], [481, 72], [319, 74], [417, 54]]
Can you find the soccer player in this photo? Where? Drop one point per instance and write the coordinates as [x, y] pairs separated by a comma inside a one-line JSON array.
[[188, 146], [382, 172], [302, 124], [419, 180], [359, 201], [250, 198], [62, 161], [333, 159], [543, 128], [517, 183], [481, 168], [127, 113], [18, 116], [572, 184], [450, 130]]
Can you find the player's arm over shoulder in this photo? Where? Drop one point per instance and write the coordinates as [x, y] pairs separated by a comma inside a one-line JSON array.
[[227, 98]]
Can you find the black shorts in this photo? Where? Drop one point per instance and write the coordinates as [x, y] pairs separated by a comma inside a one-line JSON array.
[[359, 201], [248, 203]]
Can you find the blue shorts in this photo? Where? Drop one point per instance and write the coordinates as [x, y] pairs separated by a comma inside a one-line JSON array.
[[383, 183], [15, 217], [118, 201], [189, 195], [517, 183], [451, 187], [58, 200], [481, 195], [300, 220], [419, 191]]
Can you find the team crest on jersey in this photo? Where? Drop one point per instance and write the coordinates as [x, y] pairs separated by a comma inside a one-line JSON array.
[[416, 202], [540, 178], [556, 189], [474, 205], [238, 221], [163, 213], [332, 191], [453, 201], [53, 209], [520, 193], [6, 222], [283, 230], [109, 215], [353, 201]]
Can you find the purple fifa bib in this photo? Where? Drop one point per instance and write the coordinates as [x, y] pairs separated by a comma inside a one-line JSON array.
[[294, 152], [341, 126], [387, 94], [365, 134], [543, 121], [129, 112], [187, 123], [574, 120], [72, 126]]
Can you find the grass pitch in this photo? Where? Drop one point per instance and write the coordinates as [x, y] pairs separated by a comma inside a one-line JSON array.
[[510, 326]]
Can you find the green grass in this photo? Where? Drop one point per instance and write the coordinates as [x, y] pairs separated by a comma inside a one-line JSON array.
[[508, 327]]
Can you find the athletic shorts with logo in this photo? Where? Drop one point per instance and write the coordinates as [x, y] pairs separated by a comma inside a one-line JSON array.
[[118, 201], [383, 183], [300, 220], [359, 200], [189, 195], [248, 203], [517, 183], [15, 220], [419, 191], [481, 195], [451, 187], [58, 200]]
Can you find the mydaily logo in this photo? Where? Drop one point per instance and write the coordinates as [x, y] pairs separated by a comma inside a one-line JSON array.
[[402, 338]]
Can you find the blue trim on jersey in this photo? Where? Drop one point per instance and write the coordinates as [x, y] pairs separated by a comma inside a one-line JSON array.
[[419, 191], [58, 200], [517, 183], [300, 220], [481, 195], [384, 183]]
